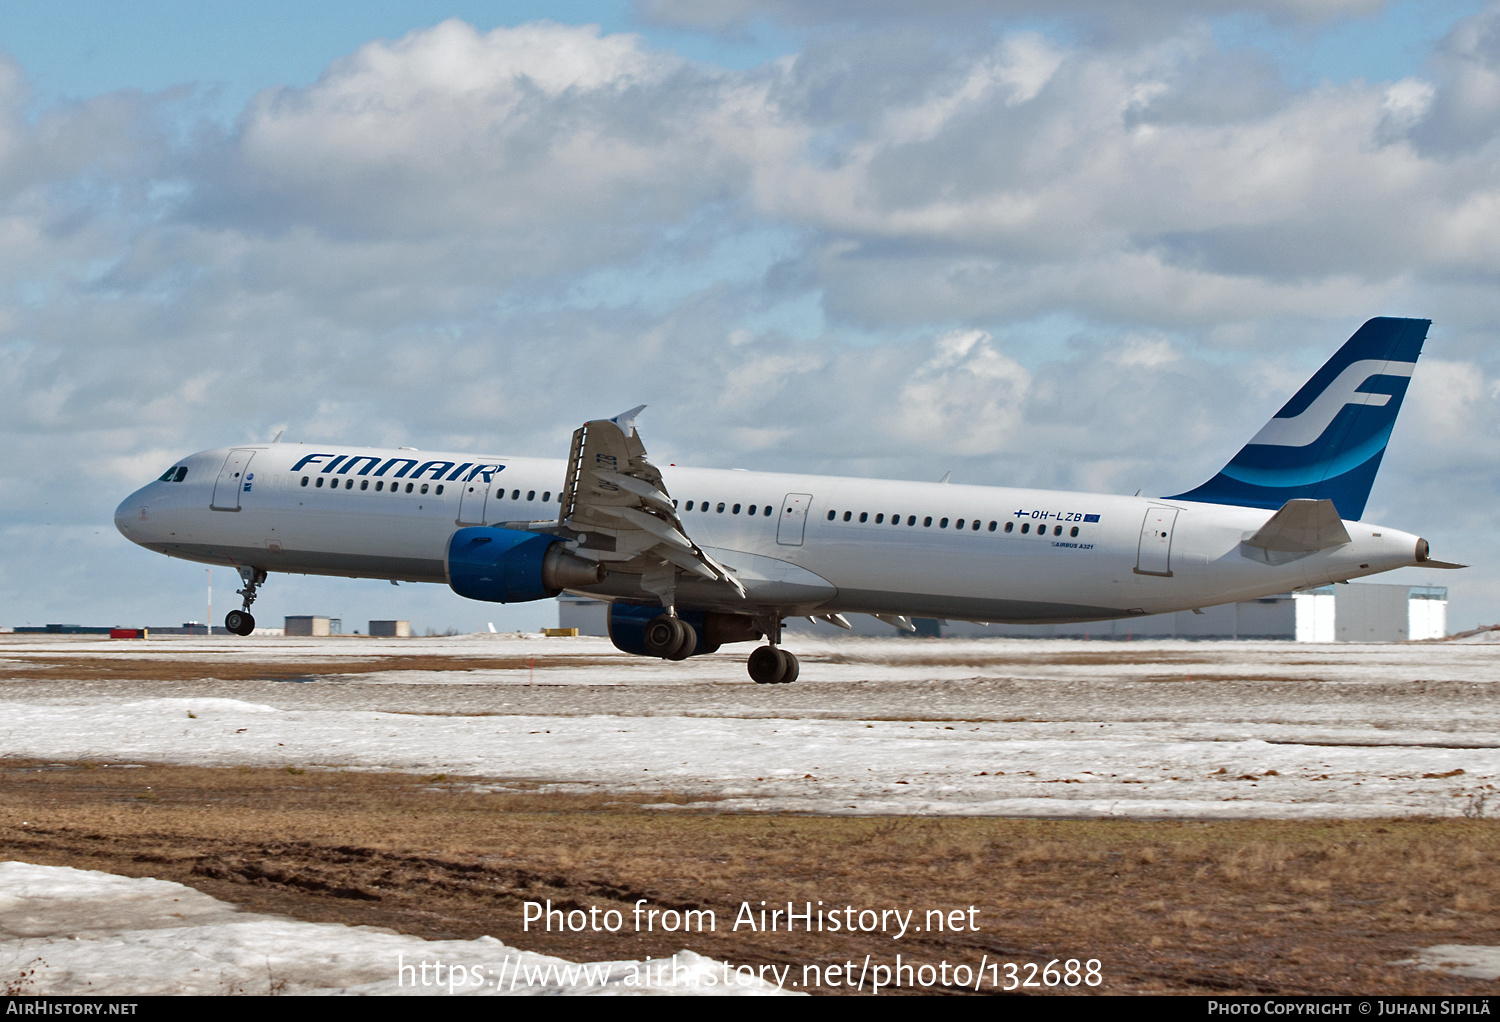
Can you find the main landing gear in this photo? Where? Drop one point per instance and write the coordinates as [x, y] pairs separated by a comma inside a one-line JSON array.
[[669, 636], [241, 622], [772, 665]]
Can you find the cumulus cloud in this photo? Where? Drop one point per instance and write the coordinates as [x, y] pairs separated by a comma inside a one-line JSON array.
[[1465, 112]]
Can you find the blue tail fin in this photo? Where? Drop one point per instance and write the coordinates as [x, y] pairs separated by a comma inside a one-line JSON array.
[[1328, 440]]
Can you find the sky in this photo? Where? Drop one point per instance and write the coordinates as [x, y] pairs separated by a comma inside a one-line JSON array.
[[1073, 244]]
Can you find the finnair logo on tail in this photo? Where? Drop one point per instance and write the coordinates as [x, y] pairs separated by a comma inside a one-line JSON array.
[[1304, 428]]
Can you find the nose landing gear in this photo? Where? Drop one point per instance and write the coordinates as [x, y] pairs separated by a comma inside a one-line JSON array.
[[241, 622]]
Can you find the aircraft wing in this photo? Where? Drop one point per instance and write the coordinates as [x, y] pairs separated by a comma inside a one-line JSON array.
[[614, 498]]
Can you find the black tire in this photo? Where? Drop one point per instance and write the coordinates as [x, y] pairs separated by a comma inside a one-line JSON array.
[[766, 665], [239, 622], [687, 641], [793, 667], [662, 636]]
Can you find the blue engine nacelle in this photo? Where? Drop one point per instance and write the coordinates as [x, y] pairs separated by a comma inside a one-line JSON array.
[[510, 566], [627, 627]]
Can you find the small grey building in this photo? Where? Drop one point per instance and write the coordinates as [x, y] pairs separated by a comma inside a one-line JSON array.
[[313, 625]]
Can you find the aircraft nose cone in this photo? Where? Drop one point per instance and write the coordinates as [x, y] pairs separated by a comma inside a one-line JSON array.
[[128, 515]]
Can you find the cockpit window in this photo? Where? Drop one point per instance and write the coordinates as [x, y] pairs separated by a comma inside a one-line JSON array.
[[167, 476], [181, 474]]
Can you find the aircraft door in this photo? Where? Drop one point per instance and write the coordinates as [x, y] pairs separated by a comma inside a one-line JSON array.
[[234, 479], [1154, 556], [471, 502], [793, 524]]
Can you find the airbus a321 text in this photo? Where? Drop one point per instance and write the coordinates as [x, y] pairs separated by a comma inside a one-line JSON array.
[[691, 558]]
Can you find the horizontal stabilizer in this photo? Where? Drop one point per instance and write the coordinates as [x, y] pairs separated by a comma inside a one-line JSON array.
[[1301, 527], [1440, 564]]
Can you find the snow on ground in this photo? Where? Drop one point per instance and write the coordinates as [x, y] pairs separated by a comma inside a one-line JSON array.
[[79, 932], [1470, 960], [1008, 727]]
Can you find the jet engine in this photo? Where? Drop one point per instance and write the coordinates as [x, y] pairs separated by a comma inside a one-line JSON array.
[[510, 566]]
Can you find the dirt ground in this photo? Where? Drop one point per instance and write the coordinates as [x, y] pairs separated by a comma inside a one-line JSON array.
[[1253, 907]]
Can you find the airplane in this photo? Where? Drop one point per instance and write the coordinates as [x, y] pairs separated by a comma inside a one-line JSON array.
[[690, 559]]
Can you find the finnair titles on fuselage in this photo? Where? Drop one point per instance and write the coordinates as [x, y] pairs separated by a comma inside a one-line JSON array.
[[694, 558]]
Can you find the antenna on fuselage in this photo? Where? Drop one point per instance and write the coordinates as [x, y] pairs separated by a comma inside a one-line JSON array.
[[946, 477]]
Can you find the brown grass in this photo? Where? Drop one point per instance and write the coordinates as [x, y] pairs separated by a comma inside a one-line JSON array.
[[1243, 906]]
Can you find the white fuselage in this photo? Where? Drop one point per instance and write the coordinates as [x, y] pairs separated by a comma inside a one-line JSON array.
[[1066, 557]]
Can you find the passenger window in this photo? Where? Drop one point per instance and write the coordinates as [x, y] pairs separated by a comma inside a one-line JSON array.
[[751, 512], [379, 485], [703, 507], [927, 522], [848, 515], [364, 484], [408, 487], [319, 483], [348, 484], [721, 507], [424, 487], [943, 524], [1010, 526], [547, 495], [1073, 531], [1057, 530], [831, 515], [440, 489], [959, 524], [304, 480], [181, 474], [1025, 528], [515, 494], [975, 526], [912, 519], [767, 512], [864, 516], [735, 509], [992, 526], [530, 494], [689, 505], [880, 519]]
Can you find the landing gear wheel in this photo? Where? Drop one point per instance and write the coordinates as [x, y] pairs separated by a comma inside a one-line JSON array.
[[793, 667], [661, 635], [670, 637], [768, 665], [239, 622], [687, 643]]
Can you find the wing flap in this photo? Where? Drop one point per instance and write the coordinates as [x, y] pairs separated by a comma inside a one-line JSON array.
[[613, 490]]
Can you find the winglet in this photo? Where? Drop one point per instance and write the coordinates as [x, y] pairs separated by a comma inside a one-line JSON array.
[[626, 420]]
